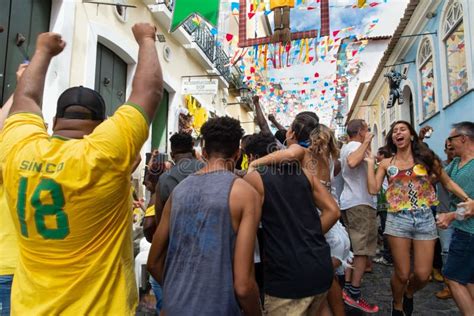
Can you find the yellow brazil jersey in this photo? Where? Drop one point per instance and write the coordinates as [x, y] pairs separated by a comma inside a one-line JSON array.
[[70, 203]]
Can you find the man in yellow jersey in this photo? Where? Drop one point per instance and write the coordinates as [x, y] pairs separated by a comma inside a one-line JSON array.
[[69, 194]]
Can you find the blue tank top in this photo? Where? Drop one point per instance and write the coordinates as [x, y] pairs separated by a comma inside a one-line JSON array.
[[198, 278]]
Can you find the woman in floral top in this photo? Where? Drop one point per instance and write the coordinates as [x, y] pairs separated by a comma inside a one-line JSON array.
[[410, 222]]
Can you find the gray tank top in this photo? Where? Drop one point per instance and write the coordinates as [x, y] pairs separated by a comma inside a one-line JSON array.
[[198, 277]]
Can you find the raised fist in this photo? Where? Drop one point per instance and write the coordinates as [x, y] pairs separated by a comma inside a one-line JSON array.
[[50, 43], [255, 99], [271, 117], [142, 31]]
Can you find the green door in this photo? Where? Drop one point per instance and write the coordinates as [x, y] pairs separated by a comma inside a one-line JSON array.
[[19, 18], [110, 78], [159, 128]]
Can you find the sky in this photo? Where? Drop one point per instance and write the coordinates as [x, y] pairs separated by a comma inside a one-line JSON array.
[[388, 13]]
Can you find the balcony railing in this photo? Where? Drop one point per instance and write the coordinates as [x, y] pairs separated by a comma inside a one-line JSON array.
[[207, 42], [222, 64]]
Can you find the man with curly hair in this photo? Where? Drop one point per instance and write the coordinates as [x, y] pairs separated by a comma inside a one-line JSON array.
[[202, 251]]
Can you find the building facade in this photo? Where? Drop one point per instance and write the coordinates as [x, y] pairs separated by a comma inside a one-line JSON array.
[[101, 53], [433, 47]]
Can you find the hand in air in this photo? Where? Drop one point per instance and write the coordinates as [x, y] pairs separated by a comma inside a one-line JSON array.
[[50, 43], [143, 31], [369, 157]]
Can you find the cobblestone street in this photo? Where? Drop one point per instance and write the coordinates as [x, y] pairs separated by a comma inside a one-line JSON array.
[[376, 288]]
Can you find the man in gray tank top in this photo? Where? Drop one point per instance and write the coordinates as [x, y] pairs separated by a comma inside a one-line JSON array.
[[202, 251]]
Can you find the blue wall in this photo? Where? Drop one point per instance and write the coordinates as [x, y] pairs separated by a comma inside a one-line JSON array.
[[461, 110]]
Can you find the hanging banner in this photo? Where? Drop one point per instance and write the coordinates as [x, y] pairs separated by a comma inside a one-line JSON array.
[[199, 86], [183, 9]]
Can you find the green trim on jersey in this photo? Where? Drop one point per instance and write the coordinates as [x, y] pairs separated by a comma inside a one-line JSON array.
[[60, 137], [139, 109], [26, 112]]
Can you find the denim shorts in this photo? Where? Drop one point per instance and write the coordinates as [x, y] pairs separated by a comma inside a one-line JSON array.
[[5, 291], [460, 264], [416, 224]]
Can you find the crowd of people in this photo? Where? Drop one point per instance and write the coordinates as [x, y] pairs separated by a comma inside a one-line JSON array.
[[280, 223]]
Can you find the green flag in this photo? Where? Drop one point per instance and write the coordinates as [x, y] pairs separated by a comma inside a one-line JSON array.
[[183, 9]]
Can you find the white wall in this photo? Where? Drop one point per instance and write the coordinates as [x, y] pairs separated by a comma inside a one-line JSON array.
[[370, 58], [83, 25]]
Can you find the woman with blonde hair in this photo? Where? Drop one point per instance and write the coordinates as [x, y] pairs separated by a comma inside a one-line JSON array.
[[318, 152]]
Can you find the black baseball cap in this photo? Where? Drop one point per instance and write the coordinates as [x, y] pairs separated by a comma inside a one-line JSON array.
[[81, 96]]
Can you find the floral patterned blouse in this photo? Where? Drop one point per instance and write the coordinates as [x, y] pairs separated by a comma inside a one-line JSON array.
[[409, 189]]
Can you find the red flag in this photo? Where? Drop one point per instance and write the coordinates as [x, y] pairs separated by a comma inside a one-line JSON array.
[[229, 37]]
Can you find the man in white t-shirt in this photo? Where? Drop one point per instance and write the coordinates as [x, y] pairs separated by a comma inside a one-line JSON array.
[[358, 210]]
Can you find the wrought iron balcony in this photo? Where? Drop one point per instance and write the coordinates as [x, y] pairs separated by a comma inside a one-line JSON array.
[[223, 64], [207, 42]]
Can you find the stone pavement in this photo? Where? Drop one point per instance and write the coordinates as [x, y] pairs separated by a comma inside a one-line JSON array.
[[376, 289]]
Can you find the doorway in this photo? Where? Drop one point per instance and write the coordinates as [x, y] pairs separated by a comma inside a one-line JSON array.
[[22, 22]]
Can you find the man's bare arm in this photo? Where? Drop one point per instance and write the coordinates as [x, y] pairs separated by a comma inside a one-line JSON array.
[[147, 86], [245, 205], [149, 222], [158, 204], [261, 121], [159, 247], [277, 124], [29, 91], [358, 155]]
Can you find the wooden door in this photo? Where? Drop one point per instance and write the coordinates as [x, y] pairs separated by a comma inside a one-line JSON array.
[[110, 78], [19, 18]]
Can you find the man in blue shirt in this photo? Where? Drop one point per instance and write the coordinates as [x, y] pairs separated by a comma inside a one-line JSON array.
[[459, 268]]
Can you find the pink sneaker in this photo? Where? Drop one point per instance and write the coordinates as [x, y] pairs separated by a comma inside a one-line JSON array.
[[359, 304]]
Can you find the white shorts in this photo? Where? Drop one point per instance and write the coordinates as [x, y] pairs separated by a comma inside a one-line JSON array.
[[340, 245]]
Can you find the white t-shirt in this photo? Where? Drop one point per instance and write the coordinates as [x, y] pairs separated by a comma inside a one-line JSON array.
[[355, 190]]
